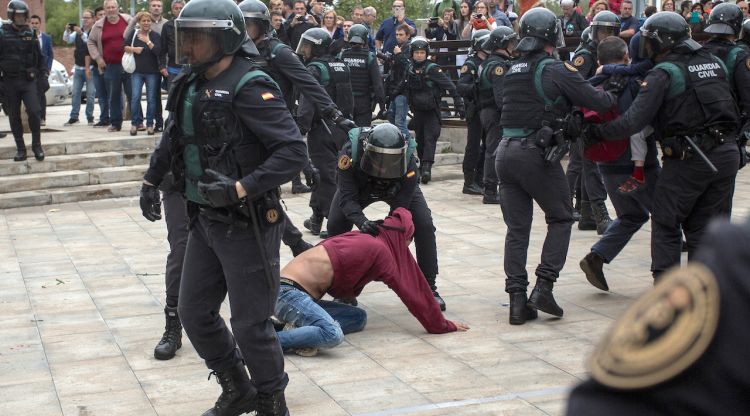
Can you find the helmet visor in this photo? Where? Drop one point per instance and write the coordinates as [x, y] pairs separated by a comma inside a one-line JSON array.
[[649, 40], [304, 48], [559, 36], [603, 31], [197, 41], [384, 163]]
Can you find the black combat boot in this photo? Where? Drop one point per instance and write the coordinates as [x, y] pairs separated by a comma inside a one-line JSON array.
[[314, 223], [576, 209], [592, 265], [272, 404], [426, 172], [238, 395], [519, 311], [439, 300], [300, 247], [541, 298], [491, 196], [601, 216], [298, 187], [171, 341], [20, 151], [470, 187], [36, 147], [586, 223]]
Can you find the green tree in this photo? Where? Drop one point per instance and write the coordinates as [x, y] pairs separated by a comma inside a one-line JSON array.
[[415, 9]]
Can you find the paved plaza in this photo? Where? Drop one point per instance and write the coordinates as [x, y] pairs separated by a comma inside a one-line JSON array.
[[82, 293]]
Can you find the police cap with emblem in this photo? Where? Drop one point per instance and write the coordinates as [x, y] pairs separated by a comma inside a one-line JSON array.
[[384, 153], [358, 34], [540, 27], [725, 19], [665, 31], [501, 38]]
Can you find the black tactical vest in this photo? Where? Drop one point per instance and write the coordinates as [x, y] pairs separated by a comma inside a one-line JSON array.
[[359, 60], [335, 78], [423, 96], [208, 133], [699, 96], [20, 51], [524, 103], [484, 81], [729, 53]]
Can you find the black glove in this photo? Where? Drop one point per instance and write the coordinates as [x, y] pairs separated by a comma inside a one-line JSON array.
[[342, 122], [302, 130], [573, 126], [460, 108], [591, 135], [371, 227], [219, 190], [616, 84], [312, 175], [150, 202], [382, 114]]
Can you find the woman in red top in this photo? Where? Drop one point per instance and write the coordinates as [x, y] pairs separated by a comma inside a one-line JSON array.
[[481, 19]]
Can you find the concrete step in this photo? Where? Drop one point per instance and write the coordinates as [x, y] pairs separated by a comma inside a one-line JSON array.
[[86, 145], [443, 159], [443, 147], [83, 161], [70, 178], [70, 194]]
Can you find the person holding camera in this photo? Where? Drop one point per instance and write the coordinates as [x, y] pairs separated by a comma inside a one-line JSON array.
[[82, 68], [479, 20], [298, 23]]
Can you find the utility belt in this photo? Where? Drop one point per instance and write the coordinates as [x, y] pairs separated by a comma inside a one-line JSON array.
[[268, 209], [29, 74], [678, 147]]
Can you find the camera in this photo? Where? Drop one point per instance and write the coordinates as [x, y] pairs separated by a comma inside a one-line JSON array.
[[72, 26], [301, 18], [384, 56], [433, 22], [479, 15]]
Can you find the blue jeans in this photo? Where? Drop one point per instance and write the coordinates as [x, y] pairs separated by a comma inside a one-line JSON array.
[[137, 80], [79, 78], [320, 324], [397, 114], [101, 92], [113, 80]]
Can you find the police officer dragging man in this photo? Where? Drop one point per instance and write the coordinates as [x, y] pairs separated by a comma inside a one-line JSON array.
[[689, 98], [366, 79], [323, 138], [230, 142], [538, 124], [423, 85], [21, 68], [379, 164]]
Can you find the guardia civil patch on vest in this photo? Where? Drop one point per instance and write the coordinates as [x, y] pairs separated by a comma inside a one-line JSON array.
[[662, 334], [499, 70], [345, 162], [570, 67], [519, 67], [578, 61]]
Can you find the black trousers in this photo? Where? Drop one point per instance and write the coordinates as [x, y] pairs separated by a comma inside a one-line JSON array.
[[19, 90], [526, 178], [362, 111], [290, 234], [176, 217], [424, 231], [493, 132], [474, 139], [590, 180], [688, 195], [324, 149], [427, 129], [221, 259]]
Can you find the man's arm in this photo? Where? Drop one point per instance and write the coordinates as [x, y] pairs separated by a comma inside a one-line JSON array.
[[261, 100], [348, 191], [584, 63], [160, 160], [497, 84], [289, 65], [465, 84], [741, 83], [376, 80], [91, 43], [306, 110], [49, 53], [577, 90], [442, 80], [408, 187], [644, 108]]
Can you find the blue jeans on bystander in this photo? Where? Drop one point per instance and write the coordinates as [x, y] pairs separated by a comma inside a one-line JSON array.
[[79, 79], [137, 80], [397, 114]]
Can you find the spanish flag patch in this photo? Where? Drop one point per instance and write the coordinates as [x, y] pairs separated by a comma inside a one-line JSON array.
[[267, 96]]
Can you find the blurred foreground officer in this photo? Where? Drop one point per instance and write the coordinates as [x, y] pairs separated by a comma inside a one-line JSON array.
[[379, 164], [21, 65], [696, 122], [538, 95], [230, 143], [681, 349]]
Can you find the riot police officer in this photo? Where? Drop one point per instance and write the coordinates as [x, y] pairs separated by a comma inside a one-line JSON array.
[[467, 88], [725, 24], [537, 99], [500, 45], [367, 81], [745, 35], [594, 214], [696, 123], [423, 85], [21, 65], [323, 141], [378, 164], [230, 142]]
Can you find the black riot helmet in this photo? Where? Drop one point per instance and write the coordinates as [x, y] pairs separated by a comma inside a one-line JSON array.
[[17, 7], [478, 38], [501, 38], [604, 25], [539, 27], [725, 19], [313, 43], [745, 34], [257, 16], [665, 31], [358, 34], [384, 153], [419, 44], [206, 31]]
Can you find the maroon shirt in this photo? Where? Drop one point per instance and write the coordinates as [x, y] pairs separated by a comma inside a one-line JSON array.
[[112, 46], [387, 260]]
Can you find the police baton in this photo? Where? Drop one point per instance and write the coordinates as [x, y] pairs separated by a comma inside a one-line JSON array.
[[702, 155]]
